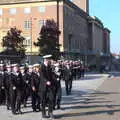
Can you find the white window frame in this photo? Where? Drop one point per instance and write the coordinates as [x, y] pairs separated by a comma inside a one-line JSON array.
[[27, 24], [13, 11], [27, 10], [27, 41], [1, 11], [41, 9]]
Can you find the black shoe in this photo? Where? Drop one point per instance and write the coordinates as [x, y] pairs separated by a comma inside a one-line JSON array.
[[14, 113], [44, 116], [51, 116], [8, 108], [19, 112], [34, 110], [58, 107]]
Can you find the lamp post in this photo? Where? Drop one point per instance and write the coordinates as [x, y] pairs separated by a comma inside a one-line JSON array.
[[69, 39], [31, 33], [58, 16]]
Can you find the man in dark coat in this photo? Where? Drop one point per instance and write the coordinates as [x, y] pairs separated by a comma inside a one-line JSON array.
[[57, 85], [46, 87], [7, 85], [35, 79], [27, 87], [16, 90], [2, 84]]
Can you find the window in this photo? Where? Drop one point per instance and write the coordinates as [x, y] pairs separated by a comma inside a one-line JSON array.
[[1, 11], [41, 9], [27, 10], [13, 11], [27, 41], [41, 23], [27, 24]]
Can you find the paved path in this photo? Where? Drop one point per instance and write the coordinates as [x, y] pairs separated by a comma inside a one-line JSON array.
[[103, 104], [71, 105]]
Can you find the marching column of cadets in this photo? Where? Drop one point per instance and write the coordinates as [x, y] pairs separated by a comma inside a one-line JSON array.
[[41, 82]]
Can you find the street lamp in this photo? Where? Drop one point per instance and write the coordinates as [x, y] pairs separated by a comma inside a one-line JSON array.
[[31, 33], [69, 39]]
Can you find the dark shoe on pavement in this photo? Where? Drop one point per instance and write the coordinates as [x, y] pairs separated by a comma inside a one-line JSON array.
[[51, 116]]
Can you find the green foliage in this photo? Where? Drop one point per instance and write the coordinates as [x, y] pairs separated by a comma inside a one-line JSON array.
[[14, 40], [48, 41]]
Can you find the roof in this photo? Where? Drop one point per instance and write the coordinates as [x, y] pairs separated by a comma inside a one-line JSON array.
[[19, 1]]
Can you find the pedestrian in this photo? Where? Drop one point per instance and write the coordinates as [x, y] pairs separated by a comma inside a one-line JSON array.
[[7, 85], [2, 84], [26, 75], [16, 90], [35, 79], [57, 85], [46, 87]]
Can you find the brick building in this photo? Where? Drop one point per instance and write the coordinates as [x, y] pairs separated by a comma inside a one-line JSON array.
[[79, 32]]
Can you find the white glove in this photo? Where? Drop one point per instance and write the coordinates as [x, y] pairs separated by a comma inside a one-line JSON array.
[[27, 81], [14, 88], [3, 87], [48, 83]]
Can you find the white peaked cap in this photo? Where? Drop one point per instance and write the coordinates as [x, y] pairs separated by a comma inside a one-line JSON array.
[[14, 65], [47, 56], [30, 66], [35, 65], [57, 64]]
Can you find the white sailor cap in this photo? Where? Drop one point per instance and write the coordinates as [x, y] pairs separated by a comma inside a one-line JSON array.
[[1, 65], [57, 64], [22, 68], [8, 66], [15, 65], [36, 65], [47, 56], [30, 66]]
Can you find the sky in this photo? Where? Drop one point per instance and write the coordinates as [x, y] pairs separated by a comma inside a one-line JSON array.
[[108, 11]]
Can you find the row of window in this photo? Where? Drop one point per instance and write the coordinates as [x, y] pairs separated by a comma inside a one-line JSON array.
[[27, 10], [28, 23]]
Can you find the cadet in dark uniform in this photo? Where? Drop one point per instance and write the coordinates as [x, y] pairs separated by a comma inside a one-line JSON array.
[[7, 85], [67, 79], [16, 90], [35, 79], [57, 85], [46, 87], [2, 84], [26, 75]]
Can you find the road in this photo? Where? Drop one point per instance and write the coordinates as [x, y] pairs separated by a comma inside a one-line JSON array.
[[73, 106]]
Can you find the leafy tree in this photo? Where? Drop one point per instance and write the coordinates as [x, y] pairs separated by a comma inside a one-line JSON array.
[[14, 41], [48, 41]]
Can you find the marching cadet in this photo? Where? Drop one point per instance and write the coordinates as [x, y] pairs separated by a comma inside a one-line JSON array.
[[7, 85], [46, 87], [2, 84], [35, 79], [67, 75], [16, 89], [57, 85], [26, 75]]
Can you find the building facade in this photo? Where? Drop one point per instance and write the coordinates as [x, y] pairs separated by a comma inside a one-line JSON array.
[[81, 35]]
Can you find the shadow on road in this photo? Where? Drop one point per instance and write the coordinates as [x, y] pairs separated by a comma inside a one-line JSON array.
[[67, 115], [91, 101]]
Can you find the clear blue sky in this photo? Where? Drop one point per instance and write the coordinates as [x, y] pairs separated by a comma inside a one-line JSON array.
[[109, 13]]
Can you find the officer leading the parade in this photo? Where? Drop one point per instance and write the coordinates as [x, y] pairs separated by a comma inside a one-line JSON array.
[[46, 87]]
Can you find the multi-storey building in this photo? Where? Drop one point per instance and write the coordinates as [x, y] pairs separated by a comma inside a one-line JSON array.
[[80, 34]]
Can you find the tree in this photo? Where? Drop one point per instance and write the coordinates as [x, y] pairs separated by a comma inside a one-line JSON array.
[[14, 40], [48, 41], [13, 44]]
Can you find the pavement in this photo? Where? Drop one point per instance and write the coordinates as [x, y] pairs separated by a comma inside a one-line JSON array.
[[93, 97], [102, 104]]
